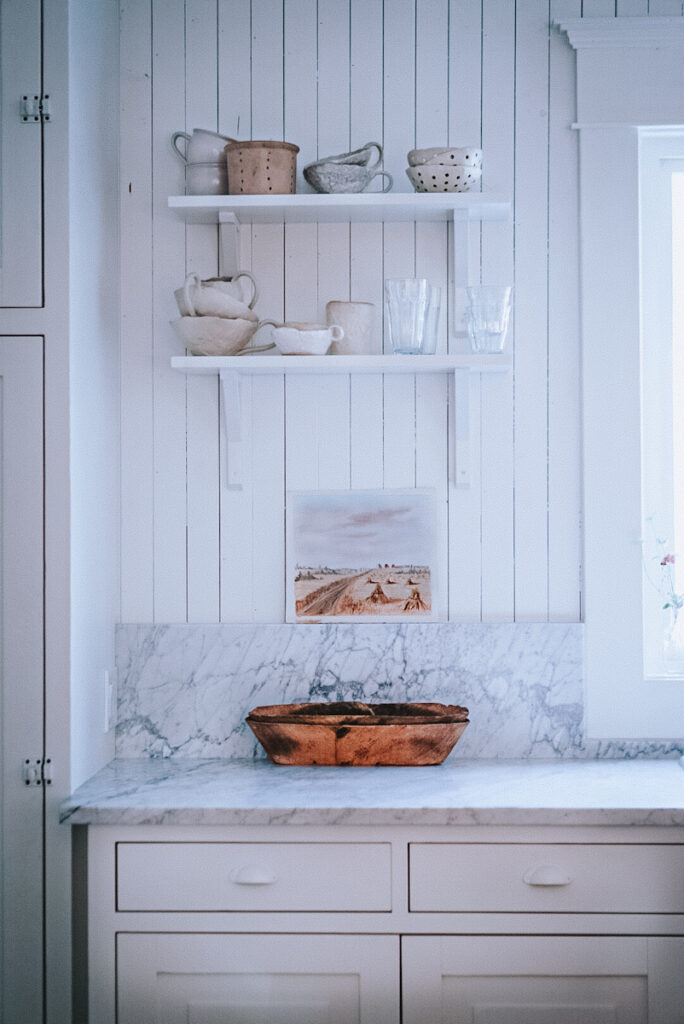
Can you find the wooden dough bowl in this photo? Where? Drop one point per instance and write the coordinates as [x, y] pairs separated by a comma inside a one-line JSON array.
[[354, 733]]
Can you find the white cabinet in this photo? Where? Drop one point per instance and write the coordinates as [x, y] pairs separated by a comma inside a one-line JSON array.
[[258, 979], [25, 115], [317, 925], [535, 980]]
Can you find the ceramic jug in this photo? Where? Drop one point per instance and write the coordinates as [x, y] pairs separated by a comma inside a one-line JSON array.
[[201, 147]]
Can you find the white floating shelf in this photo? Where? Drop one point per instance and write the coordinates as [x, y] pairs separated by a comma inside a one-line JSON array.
[[340, 364], [230, 369], [335, 208]]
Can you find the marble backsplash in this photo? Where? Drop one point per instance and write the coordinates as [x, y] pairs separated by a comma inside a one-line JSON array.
[[185, 689]]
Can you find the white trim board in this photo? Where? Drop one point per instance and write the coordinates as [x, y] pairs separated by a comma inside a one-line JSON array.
[[620, 702]]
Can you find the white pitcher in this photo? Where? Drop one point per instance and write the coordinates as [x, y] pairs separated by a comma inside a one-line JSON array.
[[201, 147]]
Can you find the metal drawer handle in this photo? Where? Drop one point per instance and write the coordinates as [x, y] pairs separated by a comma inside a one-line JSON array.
[[546, 874], [252, 875]]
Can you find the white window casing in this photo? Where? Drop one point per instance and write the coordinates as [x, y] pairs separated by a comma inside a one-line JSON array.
[[630, 83]]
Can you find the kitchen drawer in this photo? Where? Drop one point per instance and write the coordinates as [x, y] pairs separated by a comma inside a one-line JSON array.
[[553, 878], [253, 876]]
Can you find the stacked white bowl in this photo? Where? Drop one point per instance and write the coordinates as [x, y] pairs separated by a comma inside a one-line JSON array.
[[215, 320], [444, 169]]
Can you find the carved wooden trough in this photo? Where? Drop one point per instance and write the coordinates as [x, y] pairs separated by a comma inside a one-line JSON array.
[[354, 733]]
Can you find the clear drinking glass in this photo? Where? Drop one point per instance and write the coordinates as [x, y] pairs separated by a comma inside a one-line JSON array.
[[413, 310], [432, 322], [488, 313]]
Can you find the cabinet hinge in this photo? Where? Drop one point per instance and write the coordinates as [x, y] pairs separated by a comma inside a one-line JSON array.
[[37, 771], [35, 109]]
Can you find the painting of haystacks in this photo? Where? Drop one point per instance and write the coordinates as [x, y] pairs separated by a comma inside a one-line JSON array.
[[360, 555]]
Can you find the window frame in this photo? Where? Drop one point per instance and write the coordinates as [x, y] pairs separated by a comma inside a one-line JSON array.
[[630, 72]]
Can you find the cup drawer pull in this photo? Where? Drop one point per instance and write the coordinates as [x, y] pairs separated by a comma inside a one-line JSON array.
[[252, 875], [546, 874]]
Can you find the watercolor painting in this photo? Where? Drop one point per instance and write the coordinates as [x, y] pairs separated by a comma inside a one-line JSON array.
[[361, 556]]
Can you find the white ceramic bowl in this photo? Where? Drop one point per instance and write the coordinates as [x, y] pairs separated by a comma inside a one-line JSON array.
[[206, 179], [437, 178], [446, 155], [216, 335]]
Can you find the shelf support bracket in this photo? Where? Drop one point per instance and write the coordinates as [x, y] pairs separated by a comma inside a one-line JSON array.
[[460, 241], [229, 243], [232, 423], [462, 453]]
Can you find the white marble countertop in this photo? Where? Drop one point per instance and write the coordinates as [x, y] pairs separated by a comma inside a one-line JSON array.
[[229, 792]]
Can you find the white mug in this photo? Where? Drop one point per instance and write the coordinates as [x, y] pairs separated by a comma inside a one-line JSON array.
[[357, 320], [206, 179], [305, 339], [202, 147], [203, 298]]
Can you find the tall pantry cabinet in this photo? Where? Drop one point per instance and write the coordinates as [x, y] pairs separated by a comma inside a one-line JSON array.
[[58, 349]]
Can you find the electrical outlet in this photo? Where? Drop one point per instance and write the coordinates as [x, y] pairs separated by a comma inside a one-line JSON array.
[[109, 700]]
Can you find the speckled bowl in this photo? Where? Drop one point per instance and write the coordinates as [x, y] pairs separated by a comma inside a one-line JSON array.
[[438, 178]]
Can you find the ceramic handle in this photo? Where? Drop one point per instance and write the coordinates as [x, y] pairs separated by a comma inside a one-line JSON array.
[[189, 304], [382, 174], [252, 875], [255, 293], [174, 142], [374, 145], [546, 874]]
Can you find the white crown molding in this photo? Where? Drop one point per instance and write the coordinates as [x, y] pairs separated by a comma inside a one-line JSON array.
[[613, 33]]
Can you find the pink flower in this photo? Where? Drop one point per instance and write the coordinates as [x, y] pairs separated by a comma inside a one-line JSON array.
[[668, 560]]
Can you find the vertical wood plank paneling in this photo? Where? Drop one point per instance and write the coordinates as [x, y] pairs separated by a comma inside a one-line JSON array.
[[234, 88], [170, 551], [268, 265], [399, 72], [236, 508], [465, 129], [531, 320], [629, 7], [137, 371], [598, 8], [268, 499], [564, 394], [465, 92], [673, 8], [329, 76], [496, 428], [333, 124], [203, 500], [432, 129], [366, 241]]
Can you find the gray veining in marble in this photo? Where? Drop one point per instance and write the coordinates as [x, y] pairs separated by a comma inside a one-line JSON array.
[[184, 690], [180, 791]]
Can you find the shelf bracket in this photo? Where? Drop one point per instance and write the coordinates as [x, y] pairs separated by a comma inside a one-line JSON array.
[[232, 423], [460, 241], [229, 243], [462, 453]]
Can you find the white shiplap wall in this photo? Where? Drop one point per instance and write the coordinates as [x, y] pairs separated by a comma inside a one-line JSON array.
[[331, 75]]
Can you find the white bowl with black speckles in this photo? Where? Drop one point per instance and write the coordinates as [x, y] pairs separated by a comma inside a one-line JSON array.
[[438, 178]]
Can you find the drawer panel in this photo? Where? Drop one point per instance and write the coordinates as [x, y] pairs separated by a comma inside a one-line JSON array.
[[552, 878], [253, 876]]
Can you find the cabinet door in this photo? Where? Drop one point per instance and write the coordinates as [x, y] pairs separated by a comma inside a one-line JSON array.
[[549, 980], [257, 979], [21, 679], [21, 155]]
